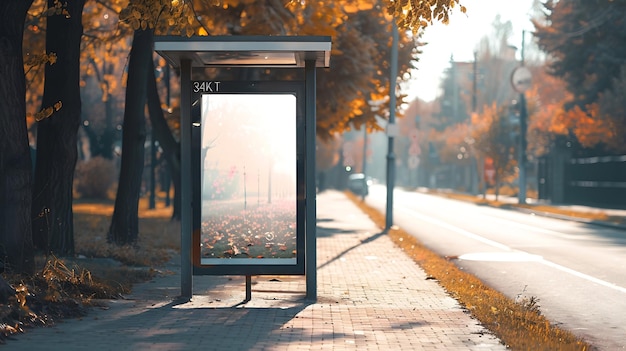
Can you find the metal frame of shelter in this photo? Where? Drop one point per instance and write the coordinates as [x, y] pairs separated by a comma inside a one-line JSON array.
[[308, 53]]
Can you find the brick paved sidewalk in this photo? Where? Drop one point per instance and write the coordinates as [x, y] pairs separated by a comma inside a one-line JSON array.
[[370, 297]]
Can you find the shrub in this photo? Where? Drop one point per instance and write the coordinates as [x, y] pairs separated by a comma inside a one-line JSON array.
[[94, 177]]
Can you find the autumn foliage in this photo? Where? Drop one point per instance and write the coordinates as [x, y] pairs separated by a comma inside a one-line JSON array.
[[581, 37], [412, 14]]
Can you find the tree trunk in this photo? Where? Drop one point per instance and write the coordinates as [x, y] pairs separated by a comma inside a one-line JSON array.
[[57, 136], [16, 251], [124, 228], [171, 148]]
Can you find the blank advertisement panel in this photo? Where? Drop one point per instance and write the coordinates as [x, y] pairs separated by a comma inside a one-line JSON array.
[[248, 144]]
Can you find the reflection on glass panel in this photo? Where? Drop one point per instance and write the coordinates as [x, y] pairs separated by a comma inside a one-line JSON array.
[[248, 178]]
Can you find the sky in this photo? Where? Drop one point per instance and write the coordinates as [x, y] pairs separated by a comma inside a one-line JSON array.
[[460, 39]]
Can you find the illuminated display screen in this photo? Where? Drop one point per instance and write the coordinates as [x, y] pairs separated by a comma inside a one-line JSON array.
[[248, 182]]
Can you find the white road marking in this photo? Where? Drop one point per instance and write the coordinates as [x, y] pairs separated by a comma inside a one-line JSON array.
[[584, 276], [458, 230], [501, 246], [538, 229], [517, 256]]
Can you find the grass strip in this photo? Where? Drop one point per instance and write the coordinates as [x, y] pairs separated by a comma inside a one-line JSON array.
[[65, 287], [520, 326]]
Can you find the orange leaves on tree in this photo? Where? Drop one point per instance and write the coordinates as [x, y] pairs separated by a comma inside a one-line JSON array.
[[59, 8], [48, 111], [317, 18], [455, 142], [492, 140], [547, 117], [163, 16], [557, 120], [588, 127], [418, 14], [40, 59], [360, 56], [352, 6], [481, 123]]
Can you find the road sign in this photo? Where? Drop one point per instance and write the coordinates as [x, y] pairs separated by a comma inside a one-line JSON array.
[[521, 79]]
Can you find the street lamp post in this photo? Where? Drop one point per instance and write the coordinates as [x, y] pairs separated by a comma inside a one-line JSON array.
[[391, 128], [363, 168], [521, 81]]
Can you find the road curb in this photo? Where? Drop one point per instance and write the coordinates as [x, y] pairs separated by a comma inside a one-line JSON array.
[[568, 218]]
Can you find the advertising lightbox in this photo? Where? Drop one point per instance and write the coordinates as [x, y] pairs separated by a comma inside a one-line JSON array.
[[248, 164]]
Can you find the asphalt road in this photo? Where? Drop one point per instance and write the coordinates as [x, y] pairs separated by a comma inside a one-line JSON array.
[[576, 270]]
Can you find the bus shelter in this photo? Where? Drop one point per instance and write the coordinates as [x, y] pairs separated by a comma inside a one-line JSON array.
[[247, 158]]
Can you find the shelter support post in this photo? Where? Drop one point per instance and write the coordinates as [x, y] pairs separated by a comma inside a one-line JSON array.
[[186, 264], [248, 288], [310, 202]]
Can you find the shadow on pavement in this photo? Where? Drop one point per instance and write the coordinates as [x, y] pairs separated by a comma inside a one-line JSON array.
[[326, 231]]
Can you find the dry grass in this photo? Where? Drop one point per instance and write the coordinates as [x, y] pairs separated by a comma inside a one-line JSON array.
[[158, 238], [519, 325], [64, 287], [159, 241]]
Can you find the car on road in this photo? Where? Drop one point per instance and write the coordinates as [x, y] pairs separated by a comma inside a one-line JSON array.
[[359, 184]]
